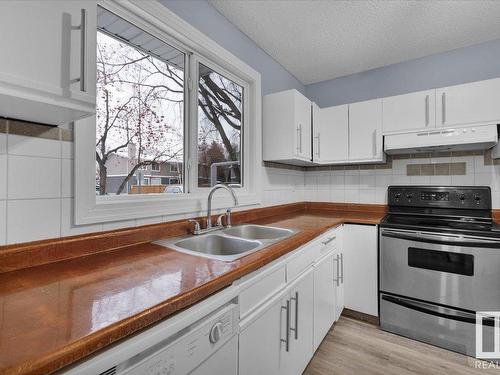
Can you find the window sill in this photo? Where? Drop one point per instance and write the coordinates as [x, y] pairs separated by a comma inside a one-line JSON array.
[[107, 210]]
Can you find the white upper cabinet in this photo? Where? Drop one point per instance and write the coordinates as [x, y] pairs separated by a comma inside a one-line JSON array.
[[287, 128], [416, 110], [470, 103], [47, 69], [365, 132], [330, 134]]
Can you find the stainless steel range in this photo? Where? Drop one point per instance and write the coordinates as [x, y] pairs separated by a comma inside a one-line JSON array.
[[439, 264]]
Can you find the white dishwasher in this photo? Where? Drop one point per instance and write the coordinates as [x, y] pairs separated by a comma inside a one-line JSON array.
[[209, 346]]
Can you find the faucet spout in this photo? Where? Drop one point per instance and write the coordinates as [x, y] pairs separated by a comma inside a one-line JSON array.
[[209, 203]]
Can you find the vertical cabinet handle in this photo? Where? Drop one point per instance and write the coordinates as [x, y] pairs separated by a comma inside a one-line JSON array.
[[286, 340], [300, 137], [342, 268], [296, 328], [427, 110], [83, 50], [337, 260], [443, 107], [318, 147], [299, 140]]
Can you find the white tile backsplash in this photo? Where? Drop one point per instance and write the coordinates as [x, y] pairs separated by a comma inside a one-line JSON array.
[[3, 143], [33, 219], [3, 222], [3, 177], [33, 177], [32, 146], [370, 185]]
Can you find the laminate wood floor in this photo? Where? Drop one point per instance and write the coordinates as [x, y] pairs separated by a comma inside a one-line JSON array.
[[353, 347]]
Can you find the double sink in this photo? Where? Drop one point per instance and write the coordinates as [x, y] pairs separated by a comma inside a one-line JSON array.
[[228, 244]]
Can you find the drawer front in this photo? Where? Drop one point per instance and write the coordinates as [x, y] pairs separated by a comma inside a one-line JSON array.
[[263, 288], [311, 253]]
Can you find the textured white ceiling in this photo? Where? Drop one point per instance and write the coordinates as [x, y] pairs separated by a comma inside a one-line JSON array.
[[320, 40]]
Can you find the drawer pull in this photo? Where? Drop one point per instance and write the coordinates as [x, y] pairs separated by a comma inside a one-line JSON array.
[[329, 240]]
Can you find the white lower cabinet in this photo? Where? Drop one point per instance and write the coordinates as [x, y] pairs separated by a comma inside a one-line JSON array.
[[260, 338], [360, 258], [324, 298], [300, 333], [280, 334]]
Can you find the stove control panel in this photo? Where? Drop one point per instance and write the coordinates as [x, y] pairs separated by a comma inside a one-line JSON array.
[[467, 197]]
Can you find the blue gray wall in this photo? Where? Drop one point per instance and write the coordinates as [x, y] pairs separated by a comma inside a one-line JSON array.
[[200, 14], [474, 63]]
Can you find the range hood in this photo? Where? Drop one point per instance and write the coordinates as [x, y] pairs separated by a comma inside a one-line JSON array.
[[447, 139]]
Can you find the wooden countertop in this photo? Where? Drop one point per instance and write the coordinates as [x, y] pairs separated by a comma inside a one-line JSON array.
[[54, 314]]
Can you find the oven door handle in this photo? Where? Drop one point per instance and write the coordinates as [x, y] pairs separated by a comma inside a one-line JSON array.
[[454, 240], [442, 312]]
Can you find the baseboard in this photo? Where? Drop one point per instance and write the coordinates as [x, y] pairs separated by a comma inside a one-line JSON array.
[[361, 316]]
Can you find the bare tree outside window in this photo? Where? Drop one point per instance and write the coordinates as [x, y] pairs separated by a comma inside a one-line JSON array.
[[220, 103], [140, 118]]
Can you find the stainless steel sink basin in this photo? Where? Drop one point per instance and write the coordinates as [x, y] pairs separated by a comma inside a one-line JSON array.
[[258, 232], [228, 244]]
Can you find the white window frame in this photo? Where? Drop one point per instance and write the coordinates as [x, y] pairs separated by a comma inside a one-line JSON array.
[[159, 21]]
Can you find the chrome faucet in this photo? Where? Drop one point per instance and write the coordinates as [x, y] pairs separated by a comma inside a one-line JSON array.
[[209, 203], [209, 227]]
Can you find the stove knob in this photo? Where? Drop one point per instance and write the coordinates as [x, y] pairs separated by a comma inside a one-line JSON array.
[[397, 195], [461, 196], [409, 195], [477, 198]]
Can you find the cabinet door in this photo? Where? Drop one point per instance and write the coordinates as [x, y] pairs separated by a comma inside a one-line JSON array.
[[360, 249], [338, 280], [410, 111], [301, 325], [259, 341], [477, 102], [302, 126], [331, 134], [39, 48], [365, 131], [324, 298]]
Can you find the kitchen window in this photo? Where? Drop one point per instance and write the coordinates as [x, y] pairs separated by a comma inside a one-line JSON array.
[[170, 103]]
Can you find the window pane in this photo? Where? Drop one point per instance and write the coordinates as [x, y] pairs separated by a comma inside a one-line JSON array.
[[140, 111], [220, 104]]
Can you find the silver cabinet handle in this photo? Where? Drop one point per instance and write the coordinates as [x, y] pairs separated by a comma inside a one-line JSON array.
[[296, 328], [286, 340], [83, 50], [298, 138], [342, 267], [443, 107], [318, 149], [427, 110], [329, 240], [337, 280]]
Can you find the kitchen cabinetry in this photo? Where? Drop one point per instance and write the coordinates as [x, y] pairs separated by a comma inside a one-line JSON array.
[[365, 132], [287, 128], [360, 256], [416, 110], [324, 298], [330, 134], [470, 103], [47, 71]]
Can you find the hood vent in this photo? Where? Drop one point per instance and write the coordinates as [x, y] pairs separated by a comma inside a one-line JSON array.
[[451, 139]]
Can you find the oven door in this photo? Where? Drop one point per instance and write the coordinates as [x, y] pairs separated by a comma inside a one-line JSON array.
[[448, 269]]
